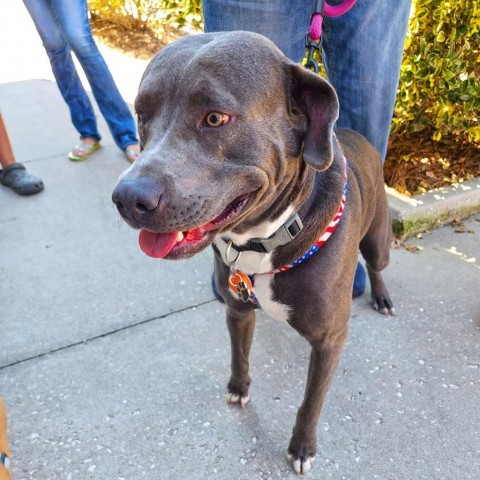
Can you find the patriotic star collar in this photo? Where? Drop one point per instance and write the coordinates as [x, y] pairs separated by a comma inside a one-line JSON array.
[[242, 285]]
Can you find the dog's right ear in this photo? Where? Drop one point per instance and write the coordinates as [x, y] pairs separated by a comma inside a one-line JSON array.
[[316, 98]]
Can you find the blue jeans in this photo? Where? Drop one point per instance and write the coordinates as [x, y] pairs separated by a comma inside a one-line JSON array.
[[362, 51], [64, 27]]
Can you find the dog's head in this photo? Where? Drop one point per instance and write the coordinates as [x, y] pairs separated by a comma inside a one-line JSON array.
[[228, 127]]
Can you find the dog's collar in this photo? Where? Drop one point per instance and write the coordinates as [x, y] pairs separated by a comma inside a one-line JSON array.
[[242, 285], [5, 460], [285, 234]]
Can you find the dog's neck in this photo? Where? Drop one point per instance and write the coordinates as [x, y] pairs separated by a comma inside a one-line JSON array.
[[317, 209], [316, 197]]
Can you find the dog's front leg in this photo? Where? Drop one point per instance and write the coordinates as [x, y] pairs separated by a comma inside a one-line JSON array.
[[323, 363], [241, 324]]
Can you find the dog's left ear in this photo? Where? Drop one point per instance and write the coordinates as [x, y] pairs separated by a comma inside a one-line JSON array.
[[317, 99]]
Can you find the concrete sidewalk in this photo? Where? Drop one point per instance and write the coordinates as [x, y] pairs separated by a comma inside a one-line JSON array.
[[114, 365]]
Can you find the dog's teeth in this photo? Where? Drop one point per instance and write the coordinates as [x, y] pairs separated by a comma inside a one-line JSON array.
[[180, 236]]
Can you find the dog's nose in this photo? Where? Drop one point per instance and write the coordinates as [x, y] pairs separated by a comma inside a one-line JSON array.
[[136, 198]]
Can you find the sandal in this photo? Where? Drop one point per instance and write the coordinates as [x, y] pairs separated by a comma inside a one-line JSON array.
[[86, 148], [19, 180], [132, 152]]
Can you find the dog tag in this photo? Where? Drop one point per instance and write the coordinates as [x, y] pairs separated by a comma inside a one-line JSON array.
[[240, 284], [243, 292]]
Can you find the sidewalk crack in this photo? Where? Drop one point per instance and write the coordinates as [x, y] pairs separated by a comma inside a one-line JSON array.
[[104, 334]]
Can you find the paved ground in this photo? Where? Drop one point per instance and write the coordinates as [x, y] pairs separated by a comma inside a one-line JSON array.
[[113, 365]]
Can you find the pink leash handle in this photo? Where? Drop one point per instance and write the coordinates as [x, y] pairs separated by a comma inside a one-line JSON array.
[[312, 38], [338, 10], [315, 31]]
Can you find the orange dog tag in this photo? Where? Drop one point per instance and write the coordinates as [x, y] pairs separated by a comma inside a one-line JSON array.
[[240, 284]]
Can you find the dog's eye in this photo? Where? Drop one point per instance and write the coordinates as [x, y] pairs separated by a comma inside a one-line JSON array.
[[216, 119]]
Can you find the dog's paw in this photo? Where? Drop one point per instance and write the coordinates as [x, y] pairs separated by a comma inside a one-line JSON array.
[[301, 452], [383, 304], [237, 391], [236, 398], [300, 465]]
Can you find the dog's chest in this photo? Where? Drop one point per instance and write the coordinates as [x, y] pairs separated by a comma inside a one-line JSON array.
[[258, 264], [263, 285]]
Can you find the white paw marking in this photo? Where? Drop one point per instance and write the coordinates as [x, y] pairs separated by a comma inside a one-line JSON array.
[[383, 310], [234, 398], [300, 466]]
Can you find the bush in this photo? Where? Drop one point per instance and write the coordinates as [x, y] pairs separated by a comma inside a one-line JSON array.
[[439, 91], [149, 14]]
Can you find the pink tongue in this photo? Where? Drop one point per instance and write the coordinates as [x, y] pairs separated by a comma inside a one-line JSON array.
[[156, 245]]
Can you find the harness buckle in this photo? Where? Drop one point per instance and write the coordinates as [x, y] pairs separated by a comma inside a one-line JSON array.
[[293, 226]]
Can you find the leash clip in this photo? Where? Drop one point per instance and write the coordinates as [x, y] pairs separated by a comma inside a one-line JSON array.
[[314, 34], [311, 47]]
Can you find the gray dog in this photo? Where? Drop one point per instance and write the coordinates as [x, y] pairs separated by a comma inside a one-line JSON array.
[[239, 151]]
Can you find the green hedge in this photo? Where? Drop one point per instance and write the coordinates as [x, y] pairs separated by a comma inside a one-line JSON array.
[[148, 13], [439, 90]]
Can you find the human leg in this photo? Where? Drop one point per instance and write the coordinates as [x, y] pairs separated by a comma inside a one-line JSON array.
[[73, 18], [285, 23], [14, 174], [7, 157], [45, 19], [362, 53]]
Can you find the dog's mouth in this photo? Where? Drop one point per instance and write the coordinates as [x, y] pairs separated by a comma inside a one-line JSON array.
[[186, 243]]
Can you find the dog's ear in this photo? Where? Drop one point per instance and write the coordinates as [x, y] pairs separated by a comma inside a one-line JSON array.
[[316, 98]]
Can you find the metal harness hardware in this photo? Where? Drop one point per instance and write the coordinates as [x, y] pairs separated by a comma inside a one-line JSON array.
[[314, 35]]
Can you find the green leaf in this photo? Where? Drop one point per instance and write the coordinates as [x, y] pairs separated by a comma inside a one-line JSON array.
[[440, 37]]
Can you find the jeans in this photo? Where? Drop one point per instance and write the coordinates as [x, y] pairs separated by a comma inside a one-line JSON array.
[[64, 27], [361, 50]]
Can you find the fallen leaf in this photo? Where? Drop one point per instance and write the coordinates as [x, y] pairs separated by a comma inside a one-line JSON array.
[[413, 248]]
